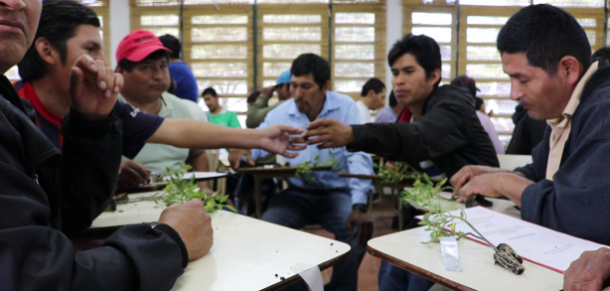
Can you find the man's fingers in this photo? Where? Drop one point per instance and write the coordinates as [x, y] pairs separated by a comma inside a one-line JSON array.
[[76, 81], [290, 129], [290, 155], [314, 132], [249, 158], [297, 139], [102, 83], [323, 122], [87, 64], [320, 139], [118, 83], [292, 147]]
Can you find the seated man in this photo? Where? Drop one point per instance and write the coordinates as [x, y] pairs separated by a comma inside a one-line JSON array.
[[390, 114], [469, 83], [371, 98], [565, 188], [217, 114], [186, 84], [443, 135], [338, 204], [591, 272], [260, 105], [35, 254], [147, 92], [69, 30]]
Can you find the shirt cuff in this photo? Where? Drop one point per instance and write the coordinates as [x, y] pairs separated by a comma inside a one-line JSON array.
[[81, 126], [358, 133], [176, 237], [358, 197]]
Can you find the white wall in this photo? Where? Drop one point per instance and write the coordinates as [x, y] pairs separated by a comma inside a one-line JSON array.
[[394, 33], [119, 25]]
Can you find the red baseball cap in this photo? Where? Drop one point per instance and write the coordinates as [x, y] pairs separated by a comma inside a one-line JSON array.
[[138, 45]]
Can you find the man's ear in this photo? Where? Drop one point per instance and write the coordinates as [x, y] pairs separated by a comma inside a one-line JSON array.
[[570, 69], [119, 70], [326, 87], [47, 52], [435, 76], [371, 93]]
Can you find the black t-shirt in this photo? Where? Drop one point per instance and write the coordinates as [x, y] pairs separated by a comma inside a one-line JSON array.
[[137, 126]]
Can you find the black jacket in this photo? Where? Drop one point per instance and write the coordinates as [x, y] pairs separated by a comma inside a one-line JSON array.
[[448, 132], [527, 135], [34, 254]]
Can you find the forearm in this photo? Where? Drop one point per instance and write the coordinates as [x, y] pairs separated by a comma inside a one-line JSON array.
[[257, 115], [186, 133], [511, 186]]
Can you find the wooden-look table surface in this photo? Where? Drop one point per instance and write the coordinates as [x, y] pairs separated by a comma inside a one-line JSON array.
[[405, 250], [247, 252]]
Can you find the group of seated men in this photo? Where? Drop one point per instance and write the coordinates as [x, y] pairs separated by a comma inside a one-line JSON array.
[[64, 132]]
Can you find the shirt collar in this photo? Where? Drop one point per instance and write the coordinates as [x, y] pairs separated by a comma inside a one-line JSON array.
[[576, 95], [330, 104]]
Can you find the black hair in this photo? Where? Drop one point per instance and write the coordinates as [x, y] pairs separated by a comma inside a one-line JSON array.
[[128, 65], [478, 103], [372, 84], [209, 91], [58, 22], [425, 50], [306, 64], [171, 42], [393, 101], [545, 34], [253, 96], [602, 53]]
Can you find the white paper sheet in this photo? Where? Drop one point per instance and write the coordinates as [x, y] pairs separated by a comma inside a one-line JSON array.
[[201, 175], [311, 275], [534, 243]]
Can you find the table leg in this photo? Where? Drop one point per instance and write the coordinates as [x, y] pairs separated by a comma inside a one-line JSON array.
[[401, 219], [258, 197]]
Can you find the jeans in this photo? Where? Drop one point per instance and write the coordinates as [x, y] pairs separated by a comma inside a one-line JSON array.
[[296, 208], [392, 278]]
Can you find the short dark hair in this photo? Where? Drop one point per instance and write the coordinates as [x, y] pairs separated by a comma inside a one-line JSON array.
[[478, 103], [372, 84], [209, 91], [306, 64], [253, 96], [602, 53], [545, 34], [171, 42], [128, 65], [425, 50], [393, 101], [58, 22]]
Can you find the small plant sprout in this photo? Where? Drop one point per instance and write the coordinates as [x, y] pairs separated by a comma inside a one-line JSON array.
[[400, 172], [180, 190], [440, 223], [305, 169]]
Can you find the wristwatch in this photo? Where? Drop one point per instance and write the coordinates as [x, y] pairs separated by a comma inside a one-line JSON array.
[[360, 206]]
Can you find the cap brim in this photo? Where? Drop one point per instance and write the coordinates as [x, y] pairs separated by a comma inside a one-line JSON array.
[[139, 55]]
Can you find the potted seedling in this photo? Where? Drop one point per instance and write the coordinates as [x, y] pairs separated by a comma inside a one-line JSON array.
[[440, 223]]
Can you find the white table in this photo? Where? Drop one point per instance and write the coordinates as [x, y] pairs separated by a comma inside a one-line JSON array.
[[405, 250], [247, 253]]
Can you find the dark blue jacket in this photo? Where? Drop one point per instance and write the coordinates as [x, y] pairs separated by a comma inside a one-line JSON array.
[[577, 201]]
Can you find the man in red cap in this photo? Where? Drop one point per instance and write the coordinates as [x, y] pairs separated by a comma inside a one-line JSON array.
[[68, 32]]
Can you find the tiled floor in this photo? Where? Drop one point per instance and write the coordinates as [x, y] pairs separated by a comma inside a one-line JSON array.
[[367, 275]]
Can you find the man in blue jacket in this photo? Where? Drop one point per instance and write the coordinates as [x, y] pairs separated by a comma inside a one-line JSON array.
[[546, 53]]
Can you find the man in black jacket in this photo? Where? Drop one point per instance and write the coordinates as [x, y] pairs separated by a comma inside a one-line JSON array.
[[445, 132], [443, 135], [34, 254]]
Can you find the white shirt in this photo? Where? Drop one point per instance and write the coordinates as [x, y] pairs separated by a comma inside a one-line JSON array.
[[491, 131], [365, 113]]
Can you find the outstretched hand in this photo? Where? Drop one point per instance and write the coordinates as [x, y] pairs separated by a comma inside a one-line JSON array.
[[94, 87], [276, 139], [328, 133]]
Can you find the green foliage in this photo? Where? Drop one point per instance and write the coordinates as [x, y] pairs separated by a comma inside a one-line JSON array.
[[180, 191], [400, 172], [437, 220], [305, 169]]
